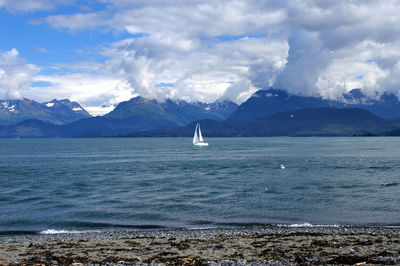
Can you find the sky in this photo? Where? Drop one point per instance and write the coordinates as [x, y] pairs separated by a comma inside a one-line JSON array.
[[102, 52]]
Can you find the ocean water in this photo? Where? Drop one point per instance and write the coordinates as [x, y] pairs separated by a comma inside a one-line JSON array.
[[50, 185]]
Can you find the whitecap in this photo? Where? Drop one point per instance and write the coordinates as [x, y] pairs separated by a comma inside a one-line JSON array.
[[301, 225], [53, 231], [310, 225]]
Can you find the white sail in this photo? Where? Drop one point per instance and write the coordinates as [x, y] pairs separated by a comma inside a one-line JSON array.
[[195, 137], [200, 136]]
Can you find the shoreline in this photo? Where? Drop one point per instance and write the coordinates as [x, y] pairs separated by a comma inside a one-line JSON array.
[[242, 245], [74, 235]]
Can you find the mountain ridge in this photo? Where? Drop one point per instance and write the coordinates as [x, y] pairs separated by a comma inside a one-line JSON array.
[[265, 107], [54, 111], [137, 114], [304, 122], [269, 101], [179, 112]]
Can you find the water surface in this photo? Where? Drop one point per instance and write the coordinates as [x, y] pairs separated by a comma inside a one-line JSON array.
[[118, 184]]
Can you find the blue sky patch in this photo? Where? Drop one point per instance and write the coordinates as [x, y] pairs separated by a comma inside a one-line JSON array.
[[162, 84], [230, 38], [41, 84]]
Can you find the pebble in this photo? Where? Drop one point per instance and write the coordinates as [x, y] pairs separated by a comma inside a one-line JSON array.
[[200, 233]]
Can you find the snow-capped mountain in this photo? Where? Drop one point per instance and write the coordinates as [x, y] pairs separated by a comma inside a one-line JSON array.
[[178, 112], [271, 101], [55, 111]]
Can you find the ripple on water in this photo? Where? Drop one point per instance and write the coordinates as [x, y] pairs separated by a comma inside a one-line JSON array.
[[129, 183]]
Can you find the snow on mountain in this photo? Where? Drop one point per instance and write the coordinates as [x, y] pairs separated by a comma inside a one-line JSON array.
[[55, 112]]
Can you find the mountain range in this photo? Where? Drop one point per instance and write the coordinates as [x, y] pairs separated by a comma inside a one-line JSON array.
[[267, 102], [177, 113], [268, 112], [137, 114], [54, 112], [304, 122]]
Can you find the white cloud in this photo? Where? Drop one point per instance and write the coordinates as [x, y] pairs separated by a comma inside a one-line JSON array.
[[198, 50], [183, 44], [194, 70], [15, 74], [338, 46], [90, 90], [30, 5], [391, 81], [76, 21], [99, 110], [194, 18], [41, 50]]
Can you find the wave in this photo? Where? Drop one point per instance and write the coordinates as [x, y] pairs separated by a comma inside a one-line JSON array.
[[300, 225], [394, 184], [200, 227], [62, 231], [53, 231], [308, 225], [216, 225]]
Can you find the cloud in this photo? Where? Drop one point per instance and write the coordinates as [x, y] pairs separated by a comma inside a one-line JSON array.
[[90, 90], [19, 79], [391, 81], [195, 58], [41, 50], [75, 22], [205, 50], [307, 59], [235, 91], [330, 48], [197, 71], [14, 6], [194, 18], [15, 74]]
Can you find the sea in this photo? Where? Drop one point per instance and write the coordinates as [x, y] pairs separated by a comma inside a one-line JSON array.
[[113, 184]]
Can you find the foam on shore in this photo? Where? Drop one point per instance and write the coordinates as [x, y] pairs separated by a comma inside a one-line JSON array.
[[54, 231]]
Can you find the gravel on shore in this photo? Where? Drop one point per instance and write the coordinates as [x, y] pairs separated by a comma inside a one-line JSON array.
[[258, 245]]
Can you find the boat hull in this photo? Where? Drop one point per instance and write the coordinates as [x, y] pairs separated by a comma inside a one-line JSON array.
[[200, 144]]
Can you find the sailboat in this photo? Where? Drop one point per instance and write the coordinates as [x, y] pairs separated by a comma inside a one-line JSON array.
[[198, 138]]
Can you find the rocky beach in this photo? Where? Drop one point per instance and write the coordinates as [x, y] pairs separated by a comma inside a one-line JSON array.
[[264, 245]]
